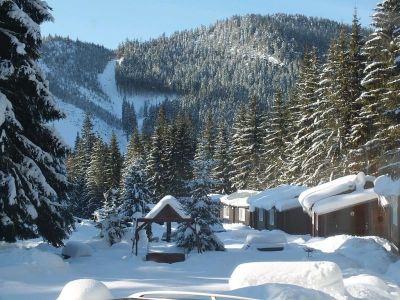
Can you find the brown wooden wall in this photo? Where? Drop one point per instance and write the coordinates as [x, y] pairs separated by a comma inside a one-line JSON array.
[[394, 230], [363, 219], [294, 221]]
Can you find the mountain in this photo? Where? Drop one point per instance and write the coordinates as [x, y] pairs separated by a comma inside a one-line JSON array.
[[82, 78], [220, 66], [213, 68]]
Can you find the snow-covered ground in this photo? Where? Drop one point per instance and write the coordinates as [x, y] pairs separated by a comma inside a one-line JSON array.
[[32, 269]]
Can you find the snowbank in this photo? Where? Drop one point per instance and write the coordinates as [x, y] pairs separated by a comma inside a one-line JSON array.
[[366, 286], [266, 239], [239, 198], [167, 200], [76, 249], [319, 275], [275, 291], [85, 289], [46, 261], [283, 197], [387, 188]]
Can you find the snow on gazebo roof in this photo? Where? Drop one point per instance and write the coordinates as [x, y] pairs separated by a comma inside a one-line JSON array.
[[337, 194], [239, 198], [387, 188], [167, 200], [283, 197]]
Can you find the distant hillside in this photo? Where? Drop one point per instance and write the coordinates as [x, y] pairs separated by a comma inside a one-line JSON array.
[[221, 66]]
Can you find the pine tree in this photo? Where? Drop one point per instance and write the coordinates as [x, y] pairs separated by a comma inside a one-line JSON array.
[[222, 169], [155, 166], [201, 208], [113, 164], [97, 177], [377, 130], [275, 141], [32, 170]]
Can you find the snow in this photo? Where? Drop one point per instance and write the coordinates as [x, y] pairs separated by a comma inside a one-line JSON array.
[[85, 289], [33, 269], [387, 188], [283, 197], [335, 194], [239, 198], [76, 249], [319, 275], [265, 239], [167, 200], [338, 202]]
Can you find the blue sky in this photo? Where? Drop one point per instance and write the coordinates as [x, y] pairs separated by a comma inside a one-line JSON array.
[[108, 22]]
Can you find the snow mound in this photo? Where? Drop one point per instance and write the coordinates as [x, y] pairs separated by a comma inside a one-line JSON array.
[[280, 292], [283, 197], [85, 289], [76, 249], [47, 261], [320, 275], [367, 252], [167, 200], [265, 239], [370, 287]]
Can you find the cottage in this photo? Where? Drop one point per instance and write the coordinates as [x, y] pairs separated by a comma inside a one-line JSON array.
[[235, 207], [347, 205], [279, 208], [388, 191]]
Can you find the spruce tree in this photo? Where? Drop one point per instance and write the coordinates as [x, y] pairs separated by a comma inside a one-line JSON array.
[[275, 142], [200, 207], [377, 131], [222, 168], [33, 178], [113, 164]]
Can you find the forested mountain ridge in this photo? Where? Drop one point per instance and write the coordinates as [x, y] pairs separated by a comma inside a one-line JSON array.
[[72, 68], [219, 67]]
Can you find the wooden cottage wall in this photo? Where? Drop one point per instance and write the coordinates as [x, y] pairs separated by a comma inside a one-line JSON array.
[[379, 220], [393, 211], [294, 221], [260, 225]]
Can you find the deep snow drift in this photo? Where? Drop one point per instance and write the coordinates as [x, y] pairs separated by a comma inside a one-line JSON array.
[[32, 269]]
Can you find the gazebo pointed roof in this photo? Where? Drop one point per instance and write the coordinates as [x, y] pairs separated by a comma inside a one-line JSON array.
[[167, 209]]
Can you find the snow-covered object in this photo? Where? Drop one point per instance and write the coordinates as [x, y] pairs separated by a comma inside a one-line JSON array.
[[283, 197], [85, 289], [239, 198], [266, 239], [339, 187], [167, 200], [276, 291], [76, 249], [319, 275], [365, 286], [47, 261], [338, 202], [387, 188]]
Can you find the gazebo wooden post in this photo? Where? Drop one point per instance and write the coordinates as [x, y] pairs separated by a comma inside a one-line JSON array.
[[169, 231]]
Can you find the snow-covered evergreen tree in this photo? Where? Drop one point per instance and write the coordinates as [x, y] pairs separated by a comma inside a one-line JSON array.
[[113, 164], [222, 168], [378, 129], [200, 207], [32, 158], [275, 142]]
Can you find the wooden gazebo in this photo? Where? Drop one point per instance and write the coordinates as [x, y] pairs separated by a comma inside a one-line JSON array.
[[167, 210]]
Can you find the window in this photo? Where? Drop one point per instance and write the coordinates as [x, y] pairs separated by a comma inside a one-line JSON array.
[[226, 212], [261, 215], [242, 214], [272, 217]]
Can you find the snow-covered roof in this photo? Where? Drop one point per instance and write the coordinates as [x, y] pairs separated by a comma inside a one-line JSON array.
[[338, 202], [239, 198], [167, 200], [337, 194], [283, 198], [216, 197]]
